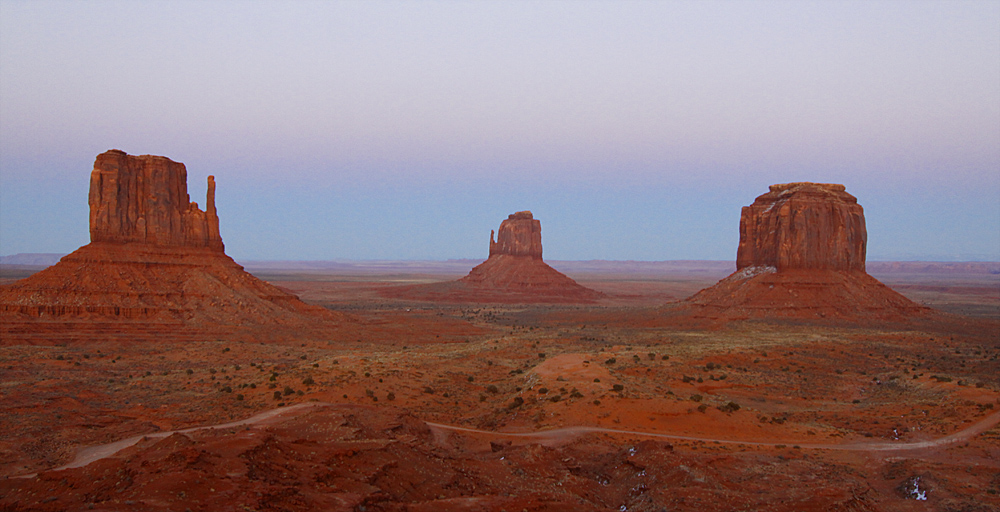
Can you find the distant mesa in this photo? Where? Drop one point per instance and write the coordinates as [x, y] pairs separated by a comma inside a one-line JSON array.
[[520, 235], [513, 273], [155, 259], [802, 256]]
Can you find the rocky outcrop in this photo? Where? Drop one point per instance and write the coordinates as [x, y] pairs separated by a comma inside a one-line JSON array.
[[513, 273], [156, 263], [144, 199], [801, 257], [519, 235], [803, 226]]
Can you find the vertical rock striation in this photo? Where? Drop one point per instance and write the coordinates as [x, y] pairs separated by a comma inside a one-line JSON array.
[[155, 264], [803, 226], [144, 199], [802, 256], [520, 235]]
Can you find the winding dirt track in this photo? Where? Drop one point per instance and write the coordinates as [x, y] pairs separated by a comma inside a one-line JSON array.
[[554, 436]]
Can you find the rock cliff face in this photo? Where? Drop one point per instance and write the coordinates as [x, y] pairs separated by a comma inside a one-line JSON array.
[[803, 226], [513, 273], [155, 265], [144, 199], [520, 235], [802, 257]]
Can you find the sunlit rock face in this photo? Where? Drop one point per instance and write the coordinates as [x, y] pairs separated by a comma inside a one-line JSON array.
[[144, 199], [803, 226]]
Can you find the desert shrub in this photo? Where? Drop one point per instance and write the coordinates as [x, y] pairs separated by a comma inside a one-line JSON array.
[[211, 370], [665, 357], [597, 402], [299, 392], [542, 391], [696, 398], [308, 381], [189, 371], [597, 380], [492, 389], [227, 389], [288, 391], [390, 396], [555, 398], [611, 361], [730, 407], [702, 408], [482, 397], [239, 397], [576, 394], [617, 387], [429, 390], [517, 402], [687, 379], [541, 355], [471, 378]]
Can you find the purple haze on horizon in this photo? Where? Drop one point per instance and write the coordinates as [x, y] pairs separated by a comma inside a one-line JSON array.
[[408, 130]]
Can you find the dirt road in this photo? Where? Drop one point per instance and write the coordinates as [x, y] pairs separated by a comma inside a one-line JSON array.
[[548, 437]]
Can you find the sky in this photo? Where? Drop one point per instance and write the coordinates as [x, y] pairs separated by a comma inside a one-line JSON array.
[[409, 130]]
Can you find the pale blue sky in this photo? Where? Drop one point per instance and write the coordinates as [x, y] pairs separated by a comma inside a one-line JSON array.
[[408, 130]]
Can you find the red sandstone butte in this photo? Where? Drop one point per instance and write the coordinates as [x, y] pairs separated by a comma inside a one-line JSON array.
[[803, 226], [513, 273], [144, 199], [802, 256], [155, 260]]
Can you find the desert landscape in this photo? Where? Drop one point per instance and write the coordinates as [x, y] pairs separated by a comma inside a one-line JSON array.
[[149, 371]]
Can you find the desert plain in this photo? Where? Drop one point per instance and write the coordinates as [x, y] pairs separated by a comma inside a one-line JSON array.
[[419, 405]]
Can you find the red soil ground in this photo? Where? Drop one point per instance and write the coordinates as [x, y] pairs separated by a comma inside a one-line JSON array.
[[782, 393]]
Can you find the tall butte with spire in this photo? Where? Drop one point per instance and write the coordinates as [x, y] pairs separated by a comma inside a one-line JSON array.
[[155, 259], [802, 256], [514, 272]]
